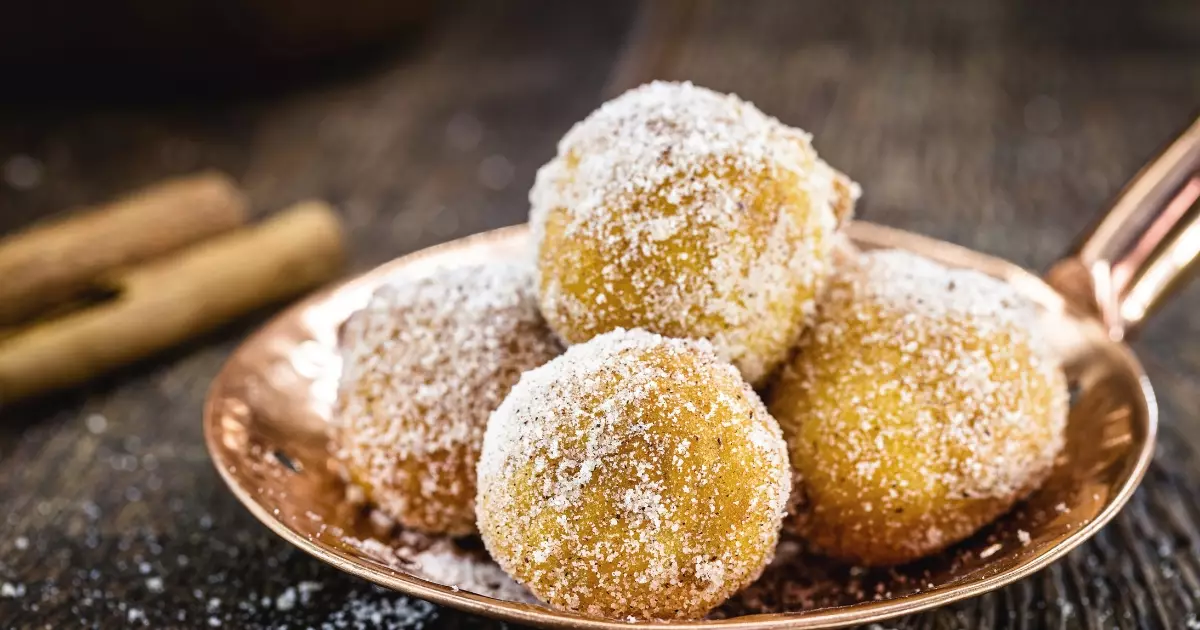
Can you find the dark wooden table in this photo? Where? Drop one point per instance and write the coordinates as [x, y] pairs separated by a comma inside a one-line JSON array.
[[1004, 126]]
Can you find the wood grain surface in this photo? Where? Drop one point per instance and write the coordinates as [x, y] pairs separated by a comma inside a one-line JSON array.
[[1003, 126]]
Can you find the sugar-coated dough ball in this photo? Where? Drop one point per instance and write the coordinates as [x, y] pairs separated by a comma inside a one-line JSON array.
[[426, 362], [921, 405], [634, 476], [691, 214]]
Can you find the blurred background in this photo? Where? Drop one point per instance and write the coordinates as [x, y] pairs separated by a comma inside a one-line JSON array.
[[1003, 126]]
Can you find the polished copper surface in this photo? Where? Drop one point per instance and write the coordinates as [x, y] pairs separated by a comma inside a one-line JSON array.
[[1142, 249], [265, 427], [266, 415]]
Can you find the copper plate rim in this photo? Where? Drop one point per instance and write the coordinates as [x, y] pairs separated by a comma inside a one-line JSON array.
[[836, 617]]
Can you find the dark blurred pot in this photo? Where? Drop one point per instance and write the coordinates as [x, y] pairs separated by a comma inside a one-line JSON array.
[[230, 38]]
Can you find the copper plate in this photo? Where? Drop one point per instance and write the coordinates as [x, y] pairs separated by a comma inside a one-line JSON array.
[[266, 413]]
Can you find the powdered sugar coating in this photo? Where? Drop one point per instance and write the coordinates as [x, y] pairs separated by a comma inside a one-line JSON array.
[[634, 476], [690, 213], [921, 405], [906, 283], [426, 362]]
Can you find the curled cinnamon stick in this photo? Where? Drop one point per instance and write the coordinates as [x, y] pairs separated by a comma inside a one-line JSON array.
[[54, 263], [170, 300]]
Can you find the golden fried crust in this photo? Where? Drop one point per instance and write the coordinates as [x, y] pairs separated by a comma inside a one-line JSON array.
[[635, 476], [425, 364], [690, 214], [919, 408]]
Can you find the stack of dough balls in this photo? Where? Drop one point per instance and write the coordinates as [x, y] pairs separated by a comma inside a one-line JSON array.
[[425, 363], [689, 246]]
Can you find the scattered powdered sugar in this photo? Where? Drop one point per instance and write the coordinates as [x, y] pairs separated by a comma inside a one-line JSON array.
[[958, 351], [439, 560], [602, 473], [380, 612], [700, 216], [301, 593], [990, 550], [425, 363], [286, 600], [445, 565]]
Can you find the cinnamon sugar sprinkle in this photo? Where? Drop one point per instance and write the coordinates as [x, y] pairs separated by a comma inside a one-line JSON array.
[[974, 311], [603, 431], [979, 395], [425, 363], [672, 163]]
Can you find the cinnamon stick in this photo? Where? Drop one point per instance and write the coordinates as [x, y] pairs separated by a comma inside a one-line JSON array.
[[56, 262], [170, 300]]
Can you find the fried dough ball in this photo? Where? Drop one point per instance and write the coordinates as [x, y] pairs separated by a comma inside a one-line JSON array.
[[691, 214], [426, 362], [922, 405], [634, 476]]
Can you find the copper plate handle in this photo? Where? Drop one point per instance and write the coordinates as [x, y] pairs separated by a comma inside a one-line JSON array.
[[1132, 260]]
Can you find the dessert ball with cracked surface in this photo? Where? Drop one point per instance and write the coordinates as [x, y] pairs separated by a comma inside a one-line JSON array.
[[691, 214], [635, 476], [921, 405], [425, 363]]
